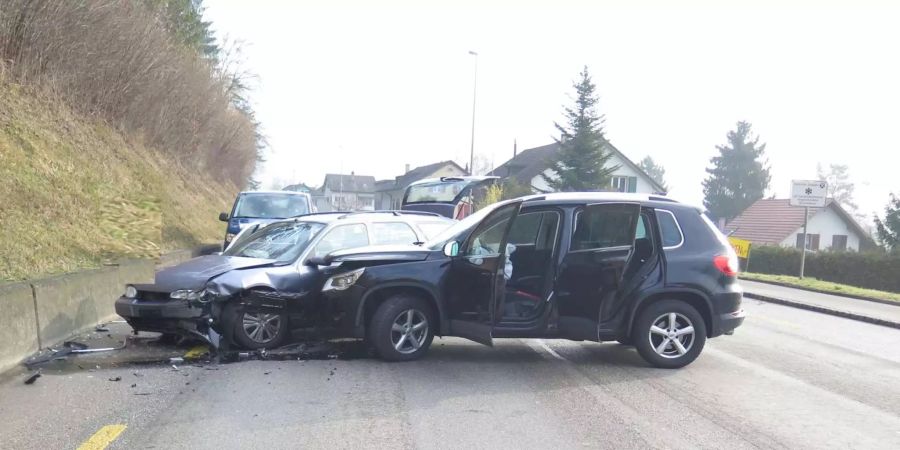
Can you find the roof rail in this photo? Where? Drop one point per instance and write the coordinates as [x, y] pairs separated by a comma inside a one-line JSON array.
[[319, 213], [661, 199], [392, 211]]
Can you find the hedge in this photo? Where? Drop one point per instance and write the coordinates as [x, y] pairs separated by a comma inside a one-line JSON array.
[[866, 270]]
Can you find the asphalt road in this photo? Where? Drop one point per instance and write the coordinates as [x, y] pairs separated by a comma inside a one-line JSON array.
[[787, 379]]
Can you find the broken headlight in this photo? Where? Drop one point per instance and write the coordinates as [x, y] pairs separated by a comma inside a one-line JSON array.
[[187, 294], [342, 281]]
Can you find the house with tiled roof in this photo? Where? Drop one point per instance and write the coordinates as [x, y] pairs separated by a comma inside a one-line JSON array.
[[528, 167], [776, 222], [389, 193], [341, 192]]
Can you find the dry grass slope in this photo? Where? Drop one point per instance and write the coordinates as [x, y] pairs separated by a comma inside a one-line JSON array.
[[76, 193]]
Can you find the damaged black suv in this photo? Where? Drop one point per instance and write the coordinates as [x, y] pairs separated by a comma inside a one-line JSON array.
[[643, 270]]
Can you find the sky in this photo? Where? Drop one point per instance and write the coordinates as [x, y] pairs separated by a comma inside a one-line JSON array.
[[350, 86]]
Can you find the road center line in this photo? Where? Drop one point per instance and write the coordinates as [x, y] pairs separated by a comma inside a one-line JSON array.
[[545, 347], [103, 437]]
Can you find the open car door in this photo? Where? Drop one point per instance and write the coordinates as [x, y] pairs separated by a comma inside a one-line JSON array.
[[476, 281], [592, 270]]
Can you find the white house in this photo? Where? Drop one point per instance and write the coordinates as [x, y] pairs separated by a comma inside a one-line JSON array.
[[341, 192], [528, 166], [776, 222]]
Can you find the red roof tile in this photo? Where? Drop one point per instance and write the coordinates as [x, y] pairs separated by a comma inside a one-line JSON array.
[[768, 221]]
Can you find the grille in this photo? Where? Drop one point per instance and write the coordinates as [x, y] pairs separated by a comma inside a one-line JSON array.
[[153, 296]]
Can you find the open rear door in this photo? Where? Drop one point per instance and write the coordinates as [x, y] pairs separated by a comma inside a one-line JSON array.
[[476, 280], [591, 273]]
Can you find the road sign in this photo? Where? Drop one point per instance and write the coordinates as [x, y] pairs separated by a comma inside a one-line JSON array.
[[809, 193], [741, 247]]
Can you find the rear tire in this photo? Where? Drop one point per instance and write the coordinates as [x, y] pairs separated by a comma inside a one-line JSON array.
[[402, 328], [669, 334]]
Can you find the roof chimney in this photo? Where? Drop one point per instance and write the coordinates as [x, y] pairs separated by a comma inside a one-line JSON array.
[[352, 173], [515, 149], [407, 168]]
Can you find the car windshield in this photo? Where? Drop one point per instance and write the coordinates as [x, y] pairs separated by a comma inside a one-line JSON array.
[[452, 232], [271, 206], [438, 191], [283, 242]]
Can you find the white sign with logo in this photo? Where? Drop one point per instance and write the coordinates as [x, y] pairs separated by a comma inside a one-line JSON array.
[[810, 193]]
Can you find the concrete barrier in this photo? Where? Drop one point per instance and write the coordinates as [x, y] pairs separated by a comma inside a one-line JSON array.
[[18, 324], [42, 313]]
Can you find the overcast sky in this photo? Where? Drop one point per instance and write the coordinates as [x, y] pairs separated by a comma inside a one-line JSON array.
[[350, 86]]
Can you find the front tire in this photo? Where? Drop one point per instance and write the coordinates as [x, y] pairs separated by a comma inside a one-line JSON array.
[[669, 334], [402, 328], [256, 330]]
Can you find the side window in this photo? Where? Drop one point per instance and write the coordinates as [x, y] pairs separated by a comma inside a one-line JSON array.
[[486, 239], [525, 229], [388, 233], [669, 228], [641, 231], [605, 226], [342, 237]]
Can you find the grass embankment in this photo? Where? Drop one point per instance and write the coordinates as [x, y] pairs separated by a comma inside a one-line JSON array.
[[75, 193], [819, 285]]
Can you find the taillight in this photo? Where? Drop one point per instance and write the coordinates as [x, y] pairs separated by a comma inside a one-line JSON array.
[[727, 264]]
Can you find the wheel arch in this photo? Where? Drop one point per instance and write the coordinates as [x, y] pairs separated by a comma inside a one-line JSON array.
[[378, 294], [695, 298]]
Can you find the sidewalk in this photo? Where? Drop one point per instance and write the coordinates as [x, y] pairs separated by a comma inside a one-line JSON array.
[[866, 311]]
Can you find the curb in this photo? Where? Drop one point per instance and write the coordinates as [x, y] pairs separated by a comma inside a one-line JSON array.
[[823, 310], [822, 291]]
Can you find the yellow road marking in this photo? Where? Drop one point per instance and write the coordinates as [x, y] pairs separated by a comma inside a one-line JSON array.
[[196, 352], [103, 437]]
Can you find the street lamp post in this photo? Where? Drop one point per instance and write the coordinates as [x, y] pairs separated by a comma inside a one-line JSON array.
[[474, 92]]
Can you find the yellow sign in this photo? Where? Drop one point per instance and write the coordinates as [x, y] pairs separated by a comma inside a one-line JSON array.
[[741, 247]]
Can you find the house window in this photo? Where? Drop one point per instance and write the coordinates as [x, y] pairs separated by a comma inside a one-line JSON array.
[[839, 242], [624, 184], [812, 241]]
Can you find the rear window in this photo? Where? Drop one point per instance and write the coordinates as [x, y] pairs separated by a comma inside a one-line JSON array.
[[671, 232], [432, 229], [392, 233]]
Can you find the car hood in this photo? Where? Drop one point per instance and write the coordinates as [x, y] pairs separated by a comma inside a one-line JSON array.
[[380, 253], [244, 222], [194, 274]]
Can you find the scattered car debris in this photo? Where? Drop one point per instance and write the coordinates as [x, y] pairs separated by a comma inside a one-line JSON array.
[[33, 377], [134, 385], [101, 329], [115, 379], [176, 360]]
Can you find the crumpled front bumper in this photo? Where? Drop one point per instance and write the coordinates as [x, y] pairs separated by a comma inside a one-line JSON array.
[[169, 316]]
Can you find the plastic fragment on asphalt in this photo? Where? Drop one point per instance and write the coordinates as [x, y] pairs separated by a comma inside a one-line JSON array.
[[196, 352], [115, 379], [33, 377], [101, 329], [176, 360]]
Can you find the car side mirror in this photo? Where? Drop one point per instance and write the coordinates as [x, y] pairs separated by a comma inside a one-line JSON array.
[[316, 261], [451, 248], [223, 217]]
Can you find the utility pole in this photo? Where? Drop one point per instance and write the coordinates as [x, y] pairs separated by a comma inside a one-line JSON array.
[[805, 241], [474, 91]]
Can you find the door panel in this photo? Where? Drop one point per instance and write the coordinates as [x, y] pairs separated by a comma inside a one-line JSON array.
[[591, 273], [476, 279]]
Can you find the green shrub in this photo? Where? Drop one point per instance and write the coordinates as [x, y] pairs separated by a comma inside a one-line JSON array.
[[867, 270]]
